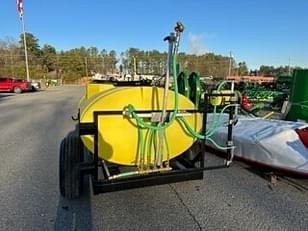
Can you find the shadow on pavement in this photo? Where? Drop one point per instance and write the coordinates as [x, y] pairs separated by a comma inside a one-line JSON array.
[[75, 214], [5, 95]]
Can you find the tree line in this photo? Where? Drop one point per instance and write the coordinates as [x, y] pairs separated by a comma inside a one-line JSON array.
[[48, 62]]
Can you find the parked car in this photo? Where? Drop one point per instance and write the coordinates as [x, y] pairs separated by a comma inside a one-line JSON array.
[[35, 85], [15, 85]]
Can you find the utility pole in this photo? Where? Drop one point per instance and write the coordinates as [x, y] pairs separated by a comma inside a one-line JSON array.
[[25, 46], [103, 65], [289, 68], [11, 59], [86, 64], [230, 64], [135, 68]]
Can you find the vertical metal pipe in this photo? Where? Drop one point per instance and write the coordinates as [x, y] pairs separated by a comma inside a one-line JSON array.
[[167, 80], [165, 99], [95, 115], [235, 96], [204, 122], [230, 139]]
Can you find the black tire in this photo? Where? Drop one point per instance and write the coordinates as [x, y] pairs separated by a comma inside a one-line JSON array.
[[70, 179], [193, 154], [17, 90]]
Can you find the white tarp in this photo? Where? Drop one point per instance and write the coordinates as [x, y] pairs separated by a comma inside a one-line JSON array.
[[272, 142]]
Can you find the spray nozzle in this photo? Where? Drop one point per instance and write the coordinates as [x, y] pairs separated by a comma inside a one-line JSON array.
[[179, 27]]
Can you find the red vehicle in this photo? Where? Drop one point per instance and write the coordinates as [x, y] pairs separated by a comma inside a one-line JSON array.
[[15, 85]]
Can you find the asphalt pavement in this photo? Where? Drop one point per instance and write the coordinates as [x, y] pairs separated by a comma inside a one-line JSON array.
[[32, 126]]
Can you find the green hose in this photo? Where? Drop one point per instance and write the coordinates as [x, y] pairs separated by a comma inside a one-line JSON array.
[[154, 128], [208, 133], [146, 146], [159, 126], [140, 147], [221, 84], [218, 145]]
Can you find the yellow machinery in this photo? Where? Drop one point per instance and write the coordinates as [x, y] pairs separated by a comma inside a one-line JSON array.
[[220, 100], [134, 134]]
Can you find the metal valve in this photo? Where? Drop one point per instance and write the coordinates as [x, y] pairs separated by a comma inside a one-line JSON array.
[[179, 27]]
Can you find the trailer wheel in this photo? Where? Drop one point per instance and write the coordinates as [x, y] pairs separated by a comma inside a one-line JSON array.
[[193, 154], [71, 151]]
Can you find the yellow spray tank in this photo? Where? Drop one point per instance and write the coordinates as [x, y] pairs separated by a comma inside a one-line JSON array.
[[136, 132], [118, 133]]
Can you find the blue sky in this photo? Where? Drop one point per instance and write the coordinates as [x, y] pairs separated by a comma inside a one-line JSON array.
[[258, 32]]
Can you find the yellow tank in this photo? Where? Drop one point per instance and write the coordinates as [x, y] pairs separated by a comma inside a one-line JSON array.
[[94, 88], [118, 134], [219, 100]]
